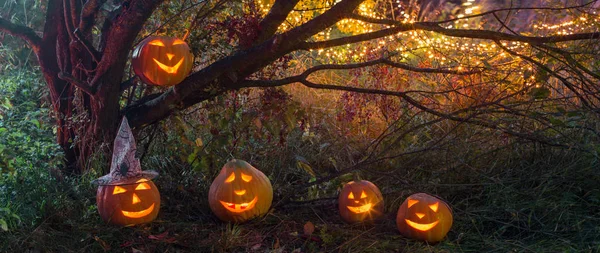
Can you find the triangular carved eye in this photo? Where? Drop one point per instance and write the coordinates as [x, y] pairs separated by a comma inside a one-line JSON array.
[[363, 195], [142, 186], [350, 196], [412, 202], [435, 206], [118, 190], [178, 42], [157, 43], [230, 178]]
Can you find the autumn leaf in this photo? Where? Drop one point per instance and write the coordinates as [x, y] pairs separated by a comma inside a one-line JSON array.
[[309, 228]]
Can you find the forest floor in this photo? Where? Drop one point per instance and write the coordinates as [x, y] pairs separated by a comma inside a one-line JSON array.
[[546, 204]]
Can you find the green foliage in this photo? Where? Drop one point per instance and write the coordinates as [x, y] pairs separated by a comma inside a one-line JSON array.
[[28, 152]]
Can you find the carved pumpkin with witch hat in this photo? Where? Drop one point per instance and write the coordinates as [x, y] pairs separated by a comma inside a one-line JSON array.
[[127, 196]]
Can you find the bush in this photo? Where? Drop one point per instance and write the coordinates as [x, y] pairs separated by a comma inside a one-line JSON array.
[[28, 151]]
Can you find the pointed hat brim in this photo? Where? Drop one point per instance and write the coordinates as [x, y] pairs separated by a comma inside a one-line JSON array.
[[109, 180]]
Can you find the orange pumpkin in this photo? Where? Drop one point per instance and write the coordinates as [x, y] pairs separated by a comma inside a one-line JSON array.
[[164, 61], [128, 204], [360, 201], [424, 217], [240, 192]]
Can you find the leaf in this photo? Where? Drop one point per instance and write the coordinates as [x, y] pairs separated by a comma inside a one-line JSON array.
[[134, 250], [309, 228], [3, 225], [105, 246], [36, 122], [163, 237], [199, 142], [303, 164]]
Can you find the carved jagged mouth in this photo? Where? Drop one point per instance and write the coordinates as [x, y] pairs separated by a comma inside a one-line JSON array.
[[139, 214], [360, 209], [421, 227], [238, 208], [170, 70]]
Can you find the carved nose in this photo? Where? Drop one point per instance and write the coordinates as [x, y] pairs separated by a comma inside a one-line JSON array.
[[135, 199], [356, 201], [241, 192], [170, 56], [420, 215]]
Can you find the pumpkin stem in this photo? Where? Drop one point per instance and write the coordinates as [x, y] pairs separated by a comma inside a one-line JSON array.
[[187, 33], [356, 176]]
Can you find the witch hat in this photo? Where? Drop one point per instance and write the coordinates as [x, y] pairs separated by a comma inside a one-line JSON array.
[[125, 168]]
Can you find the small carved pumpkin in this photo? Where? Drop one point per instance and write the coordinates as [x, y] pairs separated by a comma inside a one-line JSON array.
[[128, 204], [164, 61], [240, 192], [424, 217], [360, 201]]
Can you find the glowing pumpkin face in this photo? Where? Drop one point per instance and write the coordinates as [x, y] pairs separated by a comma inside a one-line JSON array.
[[360, 201], [164, 61], [424, 217], [128, 204], [240, 192]]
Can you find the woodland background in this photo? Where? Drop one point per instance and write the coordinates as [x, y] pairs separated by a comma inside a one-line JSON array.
[[503, 125]]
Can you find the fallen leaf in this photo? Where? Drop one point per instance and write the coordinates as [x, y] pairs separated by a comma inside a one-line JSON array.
[[309, 228], [163, 237], [159, 236], [104, 245], [256, 246]]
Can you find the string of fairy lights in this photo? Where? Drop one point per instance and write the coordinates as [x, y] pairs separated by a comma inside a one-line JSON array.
[[414, 46]]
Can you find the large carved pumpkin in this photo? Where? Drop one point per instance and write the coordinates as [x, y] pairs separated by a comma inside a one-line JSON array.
[[128, 204], [240, 192], [164, 61], [424, 217], [360, 201]]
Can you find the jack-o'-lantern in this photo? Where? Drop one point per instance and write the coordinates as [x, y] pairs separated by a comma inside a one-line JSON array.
[[240, 192], [126, 196], [424, 217], [163, 61], [360, 201], [128, 204]]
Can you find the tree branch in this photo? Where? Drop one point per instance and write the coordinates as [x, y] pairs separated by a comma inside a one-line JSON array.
[[25, 33], [88, 15], [564, 80], [385, 61], [434, 27], [278, 13], [122, 32], [217, 77], [78, 83]]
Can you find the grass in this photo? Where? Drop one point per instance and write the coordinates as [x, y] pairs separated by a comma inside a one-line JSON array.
[[507, 196], [537, 202]]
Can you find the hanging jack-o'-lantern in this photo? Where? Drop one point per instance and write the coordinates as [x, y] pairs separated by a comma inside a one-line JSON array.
[[360, 201], [126, 196], [424, 217], [240, 192], [163, 61]]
